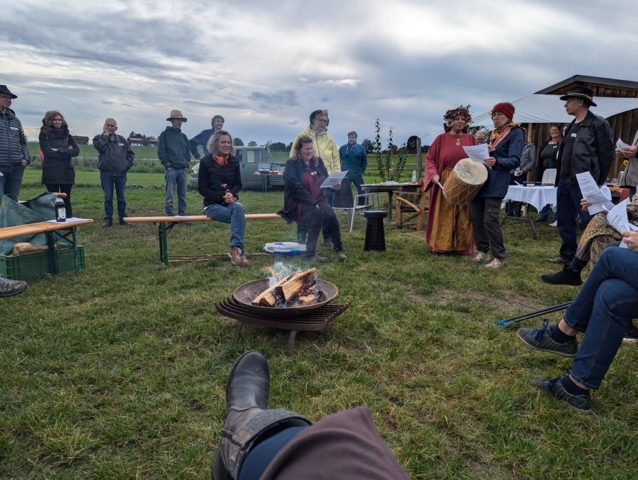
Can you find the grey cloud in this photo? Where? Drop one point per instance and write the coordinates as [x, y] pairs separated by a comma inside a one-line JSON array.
[[277, 100]]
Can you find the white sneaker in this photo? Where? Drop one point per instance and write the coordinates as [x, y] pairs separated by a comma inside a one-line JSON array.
[[554, 224], [480, 257], [495, 264]]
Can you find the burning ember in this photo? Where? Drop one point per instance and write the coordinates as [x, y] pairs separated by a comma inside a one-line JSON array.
[[297, 290]]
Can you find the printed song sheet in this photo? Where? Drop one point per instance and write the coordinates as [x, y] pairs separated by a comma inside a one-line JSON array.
[[334, 179], [590, 191], [478, 153]]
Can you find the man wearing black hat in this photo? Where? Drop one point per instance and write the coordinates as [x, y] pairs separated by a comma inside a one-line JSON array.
[[588, 146], [14, 155]]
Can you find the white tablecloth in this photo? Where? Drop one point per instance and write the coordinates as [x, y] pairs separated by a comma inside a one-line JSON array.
[[538, 196]]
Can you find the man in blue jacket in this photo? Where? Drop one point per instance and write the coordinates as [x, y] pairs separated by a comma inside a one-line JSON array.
[[202, 138], [14, 155], [354, 159], [174, 153], [115, 159]]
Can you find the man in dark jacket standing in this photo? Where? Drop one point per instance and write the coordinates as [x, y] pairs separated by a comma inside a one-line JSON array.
[[588, 146], [354, 159], [174, 153], [202, 138], [14, 155], [115, 159]]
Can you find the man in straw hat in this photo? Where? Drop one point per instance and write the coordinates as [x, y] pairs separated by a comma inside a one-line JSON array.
[[174, 153], [587, 146], [14, 155]]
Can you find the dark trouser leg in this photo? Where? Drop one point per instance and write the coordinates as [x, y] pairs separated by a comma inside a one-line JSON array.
[[568, 199], [262, 454], [120, 189], [493, 226], [357, 180], [331, 224], [107, 188], [313, 219], [330, 193], [481, 237]]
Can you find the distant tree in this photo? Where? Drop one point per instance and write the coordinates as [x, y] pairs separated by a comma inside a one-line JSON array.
[[278, 147], [252, 143], [368, 145], [289, 147], [238, 142], [132, 135]]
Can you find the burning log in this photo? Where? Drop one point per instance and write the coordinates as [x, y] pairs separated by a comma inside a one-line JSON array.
[[290, 288], [267, 297]]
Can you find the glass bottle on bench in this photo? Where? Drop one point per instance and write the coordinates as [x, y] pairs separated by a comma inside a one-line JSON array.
[[60, 210]]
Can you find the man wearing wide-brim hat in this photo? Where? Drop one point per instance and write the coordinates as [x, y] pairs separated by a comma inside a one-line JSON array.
[[587, 146], [174, 153], [14, 155]]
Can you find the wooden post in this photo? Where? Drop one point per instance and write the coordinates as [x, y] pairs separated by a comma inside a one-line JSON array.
[[419, 160]]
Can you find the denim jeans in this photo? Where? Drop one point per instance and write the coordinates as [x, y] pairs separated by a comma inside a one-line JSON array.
[[357, 180], [11, 181], [302, 231], [603, 309], [108, 181], [568, 199], [176, 179], [544, 213], [317, 218], [232, 213]]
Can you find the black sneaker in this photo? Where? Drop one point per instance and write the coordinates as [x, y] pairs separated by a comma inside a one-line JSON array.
[[581, 403], [541, 340], [631, 335], [565, 277]]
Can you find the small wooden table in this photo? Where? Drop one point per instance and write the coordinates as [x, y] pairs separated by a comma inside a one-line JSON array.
[[265, 177], [390, 188], [52, 230]]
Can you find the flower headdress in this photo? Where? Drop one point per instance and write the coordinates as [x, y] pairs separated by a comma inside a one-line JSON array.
[[455, 112]]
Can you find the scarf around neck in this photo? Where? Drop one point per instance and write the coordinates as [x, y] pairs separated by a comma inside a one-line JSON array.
[[222, 160], [499, 134]]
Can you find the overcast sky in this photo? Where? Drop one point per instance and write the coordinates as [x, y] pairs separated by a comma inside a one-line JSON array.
[[265, 65]]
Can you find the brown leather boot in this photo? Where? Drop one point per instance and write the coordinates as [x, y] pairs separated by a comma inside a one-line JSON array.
[[235, 256]]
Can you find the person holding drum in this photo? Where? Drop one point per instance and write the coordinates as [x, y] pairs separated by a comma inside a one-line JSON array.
[[506, 147], [448, 228]]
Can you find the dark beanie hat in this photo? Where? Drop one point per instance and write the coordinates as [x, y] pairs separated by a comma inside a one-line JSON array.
[[506, 108]]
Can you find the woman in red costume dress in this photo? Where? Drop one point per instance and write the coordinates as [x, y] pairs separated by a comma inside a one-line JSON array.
[[449, 229]]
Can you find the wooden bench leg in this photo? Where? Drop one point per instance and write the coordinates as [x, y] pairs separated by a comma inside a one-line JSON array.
[[163, 243]]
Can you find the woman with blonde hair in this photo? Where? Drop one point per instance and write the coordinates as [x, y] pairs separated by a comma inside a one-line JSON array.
[[58, 147]]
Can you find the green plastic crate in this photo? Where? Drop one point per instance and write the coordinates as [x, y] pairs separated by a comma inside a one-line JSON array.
[[25, 267]]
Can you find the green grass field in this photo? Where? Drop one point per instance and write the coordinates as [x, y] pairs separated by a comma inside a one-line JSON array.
[[120, 372]]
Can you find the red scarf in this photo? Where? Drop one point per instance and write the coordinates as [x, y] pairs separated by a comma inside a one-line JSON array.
[[221, 160]]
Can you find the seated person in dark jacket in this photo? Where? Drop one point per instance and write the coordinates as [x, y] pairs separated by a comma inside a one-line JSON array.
[[262, 443], [306, 203], [219, 183]]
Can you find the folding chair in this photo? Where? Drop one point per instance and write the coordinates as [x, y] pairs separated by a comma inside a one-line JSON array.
[[346, 201]]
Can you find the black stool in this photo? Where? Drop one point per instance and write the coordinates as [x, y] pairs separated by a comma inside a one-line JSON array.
[[375, 238]]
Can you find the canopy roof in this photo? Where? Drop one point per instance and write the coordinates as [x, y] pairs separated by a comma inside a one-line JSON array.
[[550, 109]]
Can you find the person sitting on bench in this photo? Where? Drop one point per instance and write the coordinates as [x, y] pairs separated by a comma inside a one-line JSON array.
[[219, 183], [603, 309]]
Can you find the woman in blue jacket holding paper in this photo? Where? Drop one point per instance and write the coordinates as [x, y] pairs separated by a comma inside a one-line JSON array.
[[305, 202], [506, 146]]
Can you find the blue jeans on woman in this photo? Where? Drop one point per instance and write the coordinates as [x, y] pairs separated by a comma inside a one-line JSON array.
[[603, 309], [176, 180], [544, 213], [232, 213]]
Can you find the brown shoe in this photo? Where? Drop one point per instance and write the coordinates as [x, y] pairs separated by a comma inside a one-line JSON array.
[[244, 259], [235, 257]]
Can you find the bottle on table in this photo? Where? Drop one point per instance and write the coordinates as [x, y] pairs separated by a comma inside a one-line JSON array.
[[60, 210]]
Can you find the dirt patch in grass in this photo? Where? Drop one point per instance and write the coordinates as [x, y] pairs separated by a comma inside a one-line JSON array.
[[507, 301]]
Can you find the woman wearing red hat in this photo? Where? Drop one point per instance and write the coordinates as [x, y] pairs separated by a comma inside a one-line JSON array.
[[506, 146]]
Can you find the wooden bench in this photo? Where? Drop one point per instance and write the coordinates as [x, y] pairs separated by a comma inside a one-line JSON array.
[[52, 230], [166, 223]]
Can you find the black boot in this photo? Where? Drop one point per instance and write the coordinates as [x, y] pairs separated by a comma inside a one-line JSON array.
[[566, 277], [248, 420]]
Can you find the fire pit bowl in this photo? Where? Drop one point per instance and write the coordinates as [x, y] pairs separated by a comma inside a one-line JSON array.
[[248, 291]]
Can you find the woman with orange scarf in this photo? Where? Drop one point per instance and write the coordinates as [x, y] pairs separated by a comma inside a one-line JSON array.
[[219, 183], [506, 147], [448, 229]]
